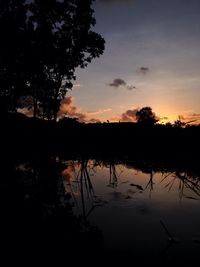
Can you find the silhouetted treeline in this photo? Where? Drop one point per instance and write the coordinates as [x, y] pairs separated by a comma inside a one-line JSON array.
[[132, 139], [71, 138]]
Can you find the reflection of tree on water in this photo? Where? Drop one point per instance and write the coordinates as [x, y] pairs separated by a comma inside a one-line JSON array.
[[38, 202], [188, 178], [185, 182], [113, 172], [113, 177], [37, 217], [83, 187], [150, 184]]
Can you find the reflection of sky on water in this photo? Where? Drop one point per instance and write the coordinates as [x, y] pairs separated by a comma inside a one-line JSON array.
[[127, 205]]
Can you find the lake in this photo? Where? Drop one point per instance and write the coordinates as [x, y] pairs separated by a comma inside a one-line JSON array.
[[140, 212], [124, 209]]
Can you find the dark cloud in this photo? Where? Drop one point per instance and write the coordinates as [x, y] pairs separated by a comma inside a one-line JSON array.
[[143, 70], [121, 83], [129, 115], [117, 83]]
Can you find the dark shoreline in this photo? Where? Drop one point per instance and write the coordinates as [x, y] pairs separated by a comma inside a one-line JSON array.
[[25, 137]]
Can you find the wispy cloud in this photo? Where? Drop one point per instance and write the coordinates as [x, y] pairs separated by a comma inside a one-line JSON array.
[[99, 112]]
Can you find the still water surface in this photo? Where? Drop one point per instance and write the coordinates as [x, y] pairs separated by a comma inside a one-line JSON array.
[[138, 210], [134, 210]]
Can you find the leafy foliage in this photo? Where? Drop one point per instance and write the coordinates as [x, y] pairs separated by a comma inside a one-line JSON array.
[[43, 43], [146, 116]]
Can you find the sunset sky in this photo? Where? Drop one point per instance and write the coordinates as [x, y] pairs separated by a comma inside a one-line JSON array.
[[152, 58]]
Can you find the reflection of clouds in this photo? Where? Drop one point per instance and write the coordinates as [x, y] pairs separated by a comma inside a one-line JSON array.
[[68, 176], [26, 111], [68, 173]]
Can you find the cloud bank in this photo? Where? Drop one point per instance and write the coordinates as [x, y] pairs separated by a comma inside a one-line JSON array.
[[68, 109], [129, 115]]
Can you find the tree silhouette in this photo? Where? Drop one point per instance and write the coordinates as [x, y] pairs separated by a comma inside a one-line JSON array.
[[179, 124], [146, 116], [56, 39], [13, 30]]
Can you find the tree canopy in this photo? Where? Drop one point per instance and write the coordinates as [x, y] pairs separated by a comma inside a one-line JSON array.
[[146, 116], [43, 42]]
